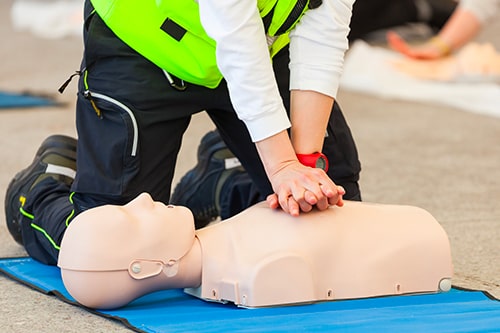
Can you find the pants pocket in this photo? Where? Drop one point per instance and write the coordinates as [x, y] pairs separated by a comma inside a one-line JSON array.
[[107, 153]]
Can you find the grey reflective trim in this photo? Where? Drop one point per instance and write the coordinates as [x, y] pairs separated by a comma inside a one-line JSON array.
[[130, 113]]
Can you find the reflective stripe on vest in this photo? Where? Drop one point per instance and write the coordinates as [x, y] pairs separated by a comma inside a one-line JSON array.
[[169, 33]]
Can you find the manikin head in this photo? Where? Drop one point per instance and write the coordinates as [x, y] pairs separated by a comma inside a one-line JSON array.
[[111, 255]]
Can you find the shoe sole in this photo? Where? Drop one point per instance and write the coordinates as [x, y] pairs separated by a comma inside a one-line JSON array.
[[57, 141]]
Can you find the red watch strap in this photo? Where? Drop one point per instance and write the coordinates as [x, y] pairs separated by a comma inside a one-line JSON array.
[[311, 160]]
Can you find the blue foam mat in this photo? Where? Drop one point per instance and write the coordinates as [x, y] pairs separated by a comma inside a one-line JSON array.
[[13, 100], [173, 311]]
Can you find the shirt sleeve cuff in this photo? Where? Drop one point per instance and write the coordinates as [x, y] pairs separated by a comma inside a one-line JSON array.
[[323, 82], [267, 125]]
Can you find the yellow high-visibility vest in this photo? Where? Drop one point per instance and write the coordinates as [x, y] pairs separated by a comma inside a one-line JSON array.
[[169, 32]]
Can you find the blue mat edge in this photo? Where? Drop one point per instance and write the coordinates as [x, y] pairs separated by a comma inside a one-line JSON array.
[[16, 100], [64, 298], [124, 321]]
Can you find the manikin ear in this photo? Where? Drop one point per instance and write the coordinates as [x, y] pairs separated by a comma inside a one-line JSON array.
[[140, 269]]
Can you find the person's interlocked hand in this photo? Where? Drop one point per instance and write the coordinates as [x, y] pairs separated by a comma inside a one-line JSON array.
[[299, 188]]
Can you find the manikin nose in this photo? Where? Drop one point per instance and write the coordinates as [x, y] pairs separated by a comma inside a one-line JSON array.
[[143, 199]]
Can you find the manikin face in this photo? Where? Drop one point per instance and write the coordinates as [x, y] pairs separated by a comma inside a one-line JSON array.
[[148, 215], [109, 237]]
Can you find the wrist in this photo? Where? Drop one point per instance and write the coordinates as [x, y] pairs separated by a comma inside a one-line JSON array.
[[314, 160], [439, 43], [275, 152]]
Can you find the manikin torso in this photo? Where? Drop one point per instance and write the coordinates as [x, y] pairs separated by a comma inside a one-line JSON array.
[[265, 257]]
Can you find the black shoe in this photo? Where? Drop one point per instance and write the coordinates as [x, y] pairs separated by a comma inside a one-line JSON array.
[[55, 158], [200, 188]]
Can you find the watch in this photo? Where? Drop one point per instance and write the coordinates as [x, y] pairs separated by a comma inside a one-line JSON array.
[[314, 160]]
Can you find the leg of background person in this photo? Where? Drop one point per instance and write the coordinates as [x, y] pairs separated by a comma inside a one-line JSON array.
[[441, 11], [372, 15]]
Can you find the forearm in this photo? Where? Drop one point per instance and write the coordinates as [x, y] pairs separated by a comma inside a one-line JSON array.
[[309, 115], [317, 49], [462, 27]]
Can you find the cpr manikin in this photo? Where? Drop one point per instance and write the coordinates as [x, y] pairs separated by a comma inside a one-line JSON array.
[[111, 255], [474, 62]]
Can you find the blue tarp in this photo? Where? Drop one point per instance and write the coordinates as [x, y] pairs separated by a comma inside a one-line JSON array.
[[12, 100], [173, 311]]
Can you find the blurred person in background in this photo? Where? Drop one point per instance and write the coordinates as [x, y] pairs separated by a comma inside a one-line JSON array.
[[465, 23]]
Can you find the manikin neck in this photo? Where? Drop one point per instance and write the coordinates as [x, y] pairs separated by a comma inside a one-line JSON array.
[[189, 269]]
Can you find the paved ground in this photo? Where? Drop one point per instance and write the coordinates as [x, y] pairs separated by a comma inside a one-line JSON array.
[[441, 159]]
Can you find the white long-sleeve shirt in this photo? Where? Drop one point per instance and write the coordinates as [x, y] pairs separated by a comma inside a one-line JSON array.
[[484, 10], [317, 47]]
